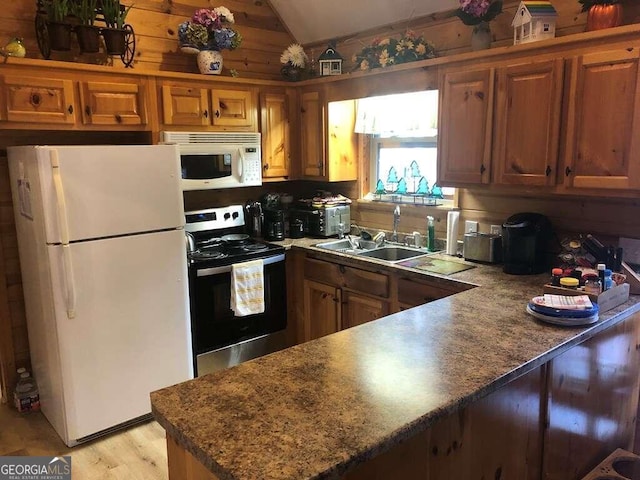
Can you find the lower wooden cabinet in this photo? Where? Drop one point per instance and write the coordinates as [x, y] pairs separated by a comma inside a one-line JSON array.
[[321, 309], [358, 309]]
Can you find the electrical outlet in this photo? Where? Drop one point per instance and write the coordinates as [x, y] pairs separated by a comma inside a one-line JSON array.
[[470, 226], [496, 230]]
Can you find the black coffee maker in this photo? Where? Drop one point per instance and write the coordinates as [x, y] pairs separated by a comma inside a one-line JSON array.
[[526, 239], [273, 224]]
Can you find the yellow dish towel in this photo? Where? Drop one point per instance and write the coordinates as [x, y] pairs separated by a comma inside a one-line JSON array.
[[247, 288]]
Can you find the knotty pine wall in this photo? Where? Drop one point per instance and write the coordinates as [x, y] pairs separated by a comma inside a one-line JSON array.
[[155, 23], [451, 36]]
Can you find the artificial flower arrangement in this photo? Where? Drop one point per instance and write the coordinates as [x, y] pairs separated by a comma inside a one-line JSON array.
[[391, 51], [473, 12], [295, 56], [209, 29]]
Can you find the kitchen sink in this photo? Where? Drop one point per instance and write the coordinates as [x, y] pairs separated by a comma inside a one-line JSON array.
[[336, 245], [393, 253]]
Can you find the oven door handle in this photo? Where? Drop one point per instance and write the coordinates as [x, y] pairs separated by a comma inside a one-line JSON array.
[[207, 272]]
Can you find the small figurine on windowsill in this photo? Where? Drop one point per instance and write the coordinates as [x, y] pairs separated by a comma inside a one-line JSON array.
[[15, 48]]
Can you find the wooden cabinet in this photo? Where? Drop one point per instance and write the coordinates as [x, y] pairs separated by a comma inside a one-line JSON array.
[[358, 309], [206, 108], [527, 123], [185, 106], [412, 292], [275, 130], [465, 126], [312, 115], [322, 309], [602, 147], [113, 103], [359, 296], [38, 100]]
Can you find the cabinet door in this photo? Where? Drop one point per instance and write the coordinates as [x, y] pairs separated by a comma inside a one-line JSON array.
[[39, 100], [111, 103], [465, 127], [342, 146], [358, 309], [274, 126], [321, 309], [233, 108], [312, 134], [185, 106], [528, 104], [603, 115]]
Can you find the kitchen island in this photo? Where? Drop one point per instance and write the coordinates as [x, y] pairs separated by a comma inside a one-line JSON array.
[[466, 384]]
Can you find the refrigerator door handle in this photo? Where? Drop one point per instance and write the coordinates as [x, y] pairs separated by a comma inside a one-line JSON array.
[[63, 224]]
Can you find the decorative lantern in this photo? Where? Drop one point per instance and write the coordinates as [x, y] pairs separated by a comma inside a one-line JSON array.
[[534, 21], [330, 62]]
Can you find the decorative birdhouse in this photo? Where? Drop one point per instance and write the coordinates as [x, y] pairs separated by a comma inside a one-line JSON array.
[[534, 21], [330, 62]]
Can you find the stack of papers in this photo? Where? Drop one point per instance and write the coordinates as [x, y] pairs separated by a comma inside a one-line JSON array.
[[564, 310]]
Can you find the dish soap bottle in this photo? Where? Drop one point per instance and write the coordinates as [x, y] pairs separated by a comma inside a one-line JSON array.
[[26, 396], [431, 234]]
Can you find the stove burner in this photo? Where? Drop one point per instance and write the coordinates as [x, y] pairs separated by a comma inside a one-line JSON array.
[[254, 247], [208, 253]]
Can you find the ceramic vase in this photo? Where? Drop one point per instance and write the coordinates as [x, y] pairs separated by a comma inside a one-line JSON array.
[[210, 62], [481, 36]]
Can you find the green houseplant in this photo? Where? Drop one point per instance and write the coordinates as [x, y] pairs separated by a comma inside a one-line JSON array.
[[88, 35], [58, 29], [114, 16]]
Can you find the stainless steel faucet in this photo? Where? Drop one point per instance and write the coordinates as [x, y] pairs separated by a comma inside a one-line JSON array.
[[396, 222]]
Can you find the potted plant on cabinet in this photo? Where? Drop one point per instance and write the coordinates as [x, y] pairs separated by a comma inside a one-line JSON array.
[[115, 33], [88, 34], [602, 13], [58, 29]]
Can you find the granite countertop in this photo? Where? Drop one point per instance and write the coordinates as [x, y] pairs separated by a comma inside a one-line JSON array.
[[320, 408]]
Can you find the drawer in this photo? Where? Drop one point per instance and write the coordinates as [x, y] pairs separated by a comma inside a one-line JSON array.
[[371, 283], [412, 292]]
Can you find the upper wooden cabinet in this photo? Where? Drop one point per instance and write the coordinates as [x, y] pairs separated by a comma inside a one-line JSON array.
[[38, 100], [275, 129], [329, 149], [113, 103], [190, 104], [465, 126], [185, 106], [527, 123], [602, 145], [312, 131]]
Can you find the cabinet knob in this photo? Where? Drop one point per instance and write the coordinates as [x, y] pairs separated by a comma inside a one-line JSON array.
[[35, 99], [118, 118], [482, 169], [567, 171], [87, 110], [548, 171], [342, 269], [70, 109], [265, 167], [206, 114], [217, 113]]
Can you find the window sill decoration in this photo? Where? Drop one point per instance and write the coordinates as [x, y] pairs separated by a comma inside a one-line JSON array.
[[209, 31], [391, 51], [396, 190], [602, 13]]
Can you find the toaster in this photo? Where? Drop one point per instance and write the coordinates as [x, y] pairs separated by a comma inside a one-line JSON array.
[[482, 247]]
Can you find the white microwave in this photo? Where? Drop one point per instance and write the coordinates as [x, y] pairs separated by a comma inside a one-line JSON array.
[[212, 160]]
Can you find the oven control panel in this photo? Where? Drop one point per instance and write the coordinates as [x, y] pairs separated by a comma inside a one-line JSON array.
[[214, 218]]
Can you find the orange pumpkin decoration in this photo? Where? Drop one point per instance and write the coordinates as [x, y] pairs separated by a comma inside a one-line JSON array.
[[604, 16]]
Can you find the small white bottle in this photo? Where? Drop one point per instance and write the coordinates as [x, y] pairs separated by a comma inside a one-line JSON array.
[[26, 396]]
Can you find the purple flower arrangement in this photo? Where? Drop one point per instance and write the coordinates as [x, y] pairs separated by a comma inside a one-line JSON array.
[[209, 29], [473, 12]]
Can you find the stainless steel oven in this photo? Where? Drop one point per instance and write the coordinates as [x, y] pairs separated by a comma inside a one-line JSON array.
[[221, 339]]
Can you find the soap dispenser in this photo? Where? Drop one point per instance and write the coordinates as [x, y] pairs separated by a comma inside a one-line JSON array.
[[431, 234]]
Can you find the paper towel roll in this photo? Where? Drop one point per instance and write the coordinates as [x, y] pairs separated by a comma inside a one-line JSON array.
[[453, 218]]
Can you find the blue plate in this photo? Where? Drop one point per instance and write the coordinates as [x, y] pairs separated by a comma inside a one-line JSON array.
[[564, 313]]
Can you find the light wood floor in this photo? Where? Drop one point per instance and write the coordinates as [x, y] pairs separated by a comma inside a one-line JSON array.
[[138, 453]]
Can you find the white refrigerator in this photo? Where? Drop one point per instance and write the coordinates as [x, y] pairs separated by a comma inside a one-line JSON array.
[[102, 253]]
